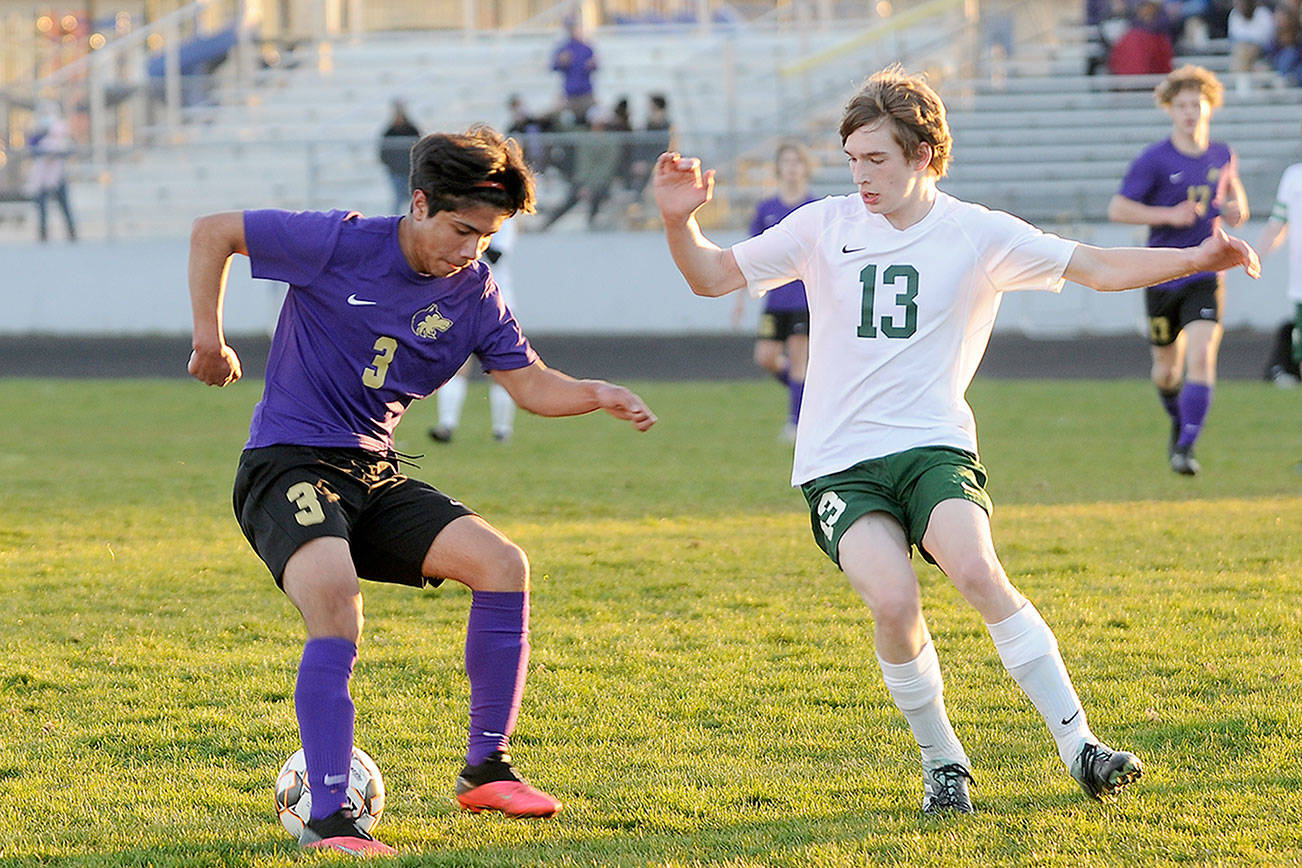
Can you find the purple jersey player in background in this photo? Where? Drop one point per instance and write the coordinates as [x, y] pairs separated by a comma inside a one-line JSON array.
[[782, 341], [1180, 188], [380, 312]]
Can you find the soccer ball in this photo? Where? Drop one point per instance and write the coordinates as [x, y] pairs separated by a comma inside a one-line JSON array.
[[294, 799]]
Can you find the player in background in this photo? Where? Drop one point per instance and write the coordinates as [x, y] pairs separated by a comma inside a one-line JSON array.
[[904, 283], [1181, 188], [1288, 201], [451, 398], [782, 345], [380, 312]]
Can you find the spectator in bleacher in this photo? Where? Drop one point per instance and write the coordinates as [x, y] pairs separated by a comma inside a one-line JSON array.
[[576, 61], [395, 154], [529, 129], [1251, 28], [1189, 20], [50, 140], [596, 161], [652, 140], [1110, 20], [1144, 49], [1286, 54]]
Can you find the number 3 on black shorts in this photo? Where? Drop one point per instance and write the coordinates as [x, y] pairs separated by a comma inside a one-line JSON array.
[[303, 495], [830, 509]]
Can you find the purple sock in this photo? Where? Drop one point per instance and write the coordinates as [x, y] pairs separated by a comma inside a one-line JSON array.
[[1170, 402], [1195, 401], [497, 659], [797, 388], [325, 720]]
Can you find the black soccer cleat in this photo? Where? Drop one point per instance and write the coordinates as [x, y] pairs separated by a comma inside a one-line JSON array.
[[441, 434], [1102, 772], [340, 832], [944, 790], [1183, 461]]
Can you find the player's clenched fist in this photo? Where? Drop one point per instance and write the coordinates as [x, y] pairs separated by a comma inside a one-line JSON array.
[[216, 368]]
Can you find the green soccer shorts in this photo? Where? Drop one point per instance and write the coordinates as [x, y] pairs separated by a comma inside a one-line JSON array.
[[906, 485]]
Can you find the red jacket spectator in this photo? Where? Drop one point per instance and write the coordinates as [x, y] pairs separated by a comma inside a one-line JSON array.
[[1141, 51]]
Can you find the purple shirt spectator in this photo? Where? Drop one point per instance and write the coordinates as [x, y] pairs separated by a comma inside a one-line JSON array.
[[1163, 176], [576, 61], [355, 305]]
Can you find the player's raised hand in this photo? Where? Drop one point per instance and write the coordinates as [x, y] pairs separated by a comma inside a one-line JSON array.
[[679, 186], [219, 367], [624, 404], [1221, 251]]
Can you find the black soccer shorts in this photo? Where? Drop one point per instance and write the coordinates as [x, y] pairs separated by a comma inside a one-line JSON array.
[[1170, 310], [781, 324], [286, 496]]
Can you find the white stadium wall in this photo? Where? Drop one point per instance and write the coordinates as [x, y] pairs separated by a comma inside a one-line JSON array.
[[566, 283]]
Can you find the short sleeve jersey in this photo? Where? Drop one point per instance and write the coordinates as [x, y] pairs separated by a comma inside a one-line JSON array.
[[789, 297], [1163, 176], [1288, 201], [362, 334], [899, 319]]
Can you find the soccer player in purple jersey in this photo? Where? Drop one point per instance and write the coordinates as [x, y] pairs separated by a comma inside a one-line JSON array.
[[380, 312], [782, 345], [1182, 188]]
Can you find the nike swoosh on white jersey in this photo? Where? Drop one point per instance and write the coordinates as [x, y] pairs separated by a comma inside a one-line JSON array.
[[354, 300]]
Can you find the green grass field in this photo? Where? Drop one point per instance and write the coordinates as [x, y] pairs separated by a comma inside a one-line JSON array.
[[703, 689]]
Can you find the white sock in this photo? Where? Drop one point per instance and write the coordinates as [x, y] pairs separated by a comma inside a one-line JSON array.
[[1029, 652], [451, 398], [502, 409], [918, 691]]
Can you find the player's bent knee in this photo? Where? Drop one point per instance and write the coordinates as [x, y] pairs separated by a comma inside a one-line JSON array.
[[894, 610], [503, 567]]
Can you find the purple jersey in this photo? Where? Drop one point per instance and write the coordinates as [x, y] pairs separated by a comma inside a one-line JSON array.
[[362, 334], [790, 296], [1163, 176]]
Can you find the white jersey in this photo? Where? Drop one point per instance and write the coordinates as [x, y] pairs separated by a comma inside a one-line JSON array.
[[898, 319], [1288, 201]]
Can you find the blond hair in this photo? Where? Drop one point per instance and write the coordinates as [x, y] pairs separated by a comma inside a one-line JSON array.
[[916, 113], [1190, 77]]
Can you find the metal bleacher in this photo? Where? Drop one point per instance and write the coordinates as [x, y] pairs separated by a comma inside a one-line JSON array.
[[1050, 143]]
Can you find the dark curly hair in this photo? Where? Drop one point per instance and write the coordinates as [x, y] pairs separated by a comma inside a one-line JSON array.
[[479, 166]]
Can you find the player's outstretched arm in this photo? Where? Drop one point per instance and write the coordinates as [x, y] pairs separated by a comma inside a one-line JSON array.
[[547, 392], [680, 191], [1272, 236], [1115, 268], [1123, 210], [213, 239]]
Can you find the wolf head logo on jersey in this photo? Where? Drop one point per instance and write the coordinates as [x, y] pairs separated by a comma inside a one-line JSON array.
[[428, 323]]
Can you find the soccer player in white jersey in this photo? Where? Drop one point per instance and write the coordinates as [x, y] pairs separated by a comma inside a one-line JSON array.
[[1288, 205], [904, 282]]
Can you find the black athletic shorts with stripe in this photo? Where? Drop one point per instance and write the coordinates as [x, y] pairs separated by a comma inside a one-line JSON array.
[[286, 496], [1170, 310]]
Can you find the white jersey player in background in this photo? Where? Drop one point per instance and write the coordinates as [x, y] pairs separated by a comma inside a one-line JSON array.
[[451, 396], [903, 283], [1288, 204]]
